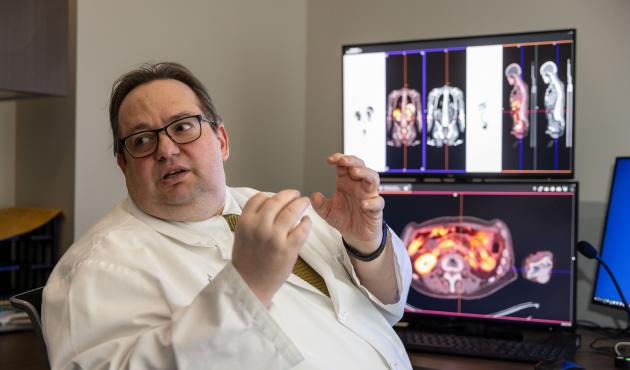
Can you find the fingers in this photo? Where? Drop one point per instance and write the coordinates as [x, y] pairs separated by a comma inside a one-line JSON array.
[[345, 160], [368, 177], [373, 205], [291, 213], [355, 168], [281, 211], [274, 204], [254, 203], [298, 235]]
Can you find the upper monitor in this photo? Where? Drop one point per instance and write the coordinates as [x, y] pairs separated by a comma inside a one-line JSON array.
[[614, 248], [483, 106]]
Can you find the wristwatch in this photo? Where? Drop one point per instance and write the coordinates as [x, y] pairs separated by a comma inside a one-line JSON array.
[[372, 256]]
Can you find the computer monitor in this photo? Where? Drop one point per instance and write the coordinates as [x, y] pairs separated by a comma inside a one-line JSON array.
[[615, 244], [481, 106], [496, 252]]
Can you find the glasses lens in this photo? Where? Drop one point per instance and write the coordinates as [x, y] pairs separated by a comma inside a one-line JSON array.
[[141, 144], [185, 130]]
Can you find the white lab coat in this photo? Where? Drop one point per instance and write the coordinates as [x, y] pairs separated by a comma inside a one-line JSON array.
[[136, 292]]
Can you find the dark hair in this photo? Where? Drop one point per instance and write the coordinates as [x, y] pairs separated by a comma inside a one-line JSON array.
[[151, 72]]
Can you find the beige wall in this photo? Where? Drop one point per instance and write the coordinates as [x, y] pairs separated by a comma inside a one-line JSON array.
[[250, 55], [7, 154], [603, 51]]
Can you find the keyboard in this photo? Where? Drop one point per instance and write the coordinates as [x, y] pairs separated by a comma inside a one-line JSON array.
[[501, 349]]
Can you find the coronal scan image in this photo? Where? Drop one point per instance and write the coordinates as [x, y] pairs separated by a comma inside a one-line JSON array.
[[554, 100], [537, 267], [460, 257], [519, 100], [404, 115], [446, 119], [363, 117], [403, 111], [482, 114]]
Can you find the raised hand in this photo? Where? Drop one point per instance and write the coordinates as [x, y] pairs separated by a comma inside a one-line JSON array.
[[355, 208], [270, 233]]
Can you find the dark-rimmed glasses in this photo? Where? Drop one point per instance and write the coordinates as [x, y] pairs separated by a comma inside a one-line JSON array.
[[181, 131]]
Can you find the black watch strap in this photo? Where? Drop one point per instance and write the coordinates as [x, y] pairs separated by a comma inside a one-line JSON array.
[[372, 256]]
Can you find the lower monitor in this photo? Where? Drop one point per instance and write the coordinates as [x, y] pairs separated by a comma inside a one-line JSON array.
[[496, 252]]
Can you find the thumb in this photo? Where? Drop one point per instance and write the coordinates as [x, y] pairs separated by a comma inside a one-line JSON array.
[[320, 204]]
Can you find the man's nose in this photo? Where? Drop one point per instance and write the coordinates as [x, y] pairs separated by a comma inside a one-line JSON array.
[[166, 147]]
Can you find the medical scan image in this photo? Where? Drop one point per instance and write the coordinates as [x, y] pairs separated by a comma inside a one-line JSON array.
[[363, 117], [462, 107], [446, 118], [537, 107], [519, 100], [554, 100], [537, 267], [404, 115], [460, 257]]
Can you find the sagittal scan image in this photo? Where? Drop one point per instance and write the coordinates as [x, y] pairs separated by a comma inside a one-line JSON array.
[[554, 100], [538, 106], [519, 100]]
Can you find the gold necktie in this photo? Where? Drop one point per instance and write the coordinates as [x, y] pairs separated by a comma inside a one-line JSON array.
[[301, 268]]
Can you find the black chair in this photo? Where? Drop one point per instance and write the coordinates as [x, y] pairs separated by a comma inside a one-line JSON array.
[[31, 303]]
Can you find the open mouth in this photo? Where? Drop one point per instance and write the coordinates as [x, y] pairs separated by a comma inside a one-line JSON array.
[[173, 173]]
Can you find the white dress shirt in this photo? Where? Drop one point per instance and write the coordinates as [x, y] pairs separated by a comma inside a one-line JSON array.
[[137, 292]]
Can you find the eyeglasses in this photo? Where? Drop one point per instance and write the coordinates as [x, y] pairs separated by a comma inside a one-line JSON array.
[[182, 131]]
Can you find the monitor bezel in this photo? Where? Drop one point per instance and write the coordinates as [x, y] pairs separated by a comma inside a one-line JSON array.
[[471, 175], [424, 319], [603, 236]]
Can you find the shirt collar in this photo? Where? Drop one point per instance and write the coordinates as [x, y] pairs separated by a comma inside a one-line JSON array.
[[195, 233], [231, 205]]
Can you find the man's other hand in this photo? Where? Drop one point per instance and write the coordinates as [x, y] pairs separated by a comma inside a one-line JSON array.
[[356, 208]]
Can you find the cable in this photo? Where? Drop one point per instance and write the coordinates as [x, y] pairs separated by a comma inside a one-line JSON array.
[[619, 345], [605, 334]]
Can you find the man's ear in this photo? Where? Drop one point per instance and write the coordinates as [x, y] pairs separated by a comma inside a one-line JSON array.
[[122, 162], [224, 141]]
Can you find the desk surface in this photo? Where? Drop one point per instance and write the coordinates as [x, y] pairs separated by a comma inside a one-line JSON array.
[[20, 350]]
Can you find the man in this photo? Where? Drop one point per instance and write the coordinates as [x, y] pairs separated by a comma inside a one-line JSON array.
[[162, 282]]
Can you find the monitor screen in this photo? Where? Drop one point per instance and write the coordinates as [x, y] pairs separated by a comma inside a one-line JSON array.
[[481, 106], [614, 247], [483, 251]]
